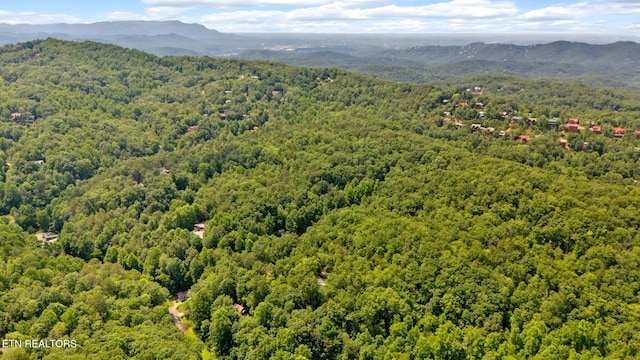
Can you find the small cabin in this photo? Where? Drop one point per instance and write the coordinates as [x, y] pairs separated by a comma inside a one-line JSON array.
[[524, 139], [619, 132], [636, 134], [552, 122], [47, 237], [596, 129], [564, 144], [240, 309], [475, 127], [573, 121], [532, 121], [181, 296], [199, 228]]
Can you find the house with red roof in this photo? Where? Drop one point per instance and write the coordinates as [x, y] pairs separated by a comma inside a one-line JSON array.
[[619, 132], [573, 128]]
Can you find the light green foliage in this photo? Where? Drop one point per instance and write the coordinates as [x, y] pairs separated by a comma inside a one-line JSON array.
[[344, 217]]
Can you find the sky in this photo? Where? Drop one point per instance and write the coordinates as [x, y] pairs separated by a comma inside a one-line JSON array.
[[348, 16]]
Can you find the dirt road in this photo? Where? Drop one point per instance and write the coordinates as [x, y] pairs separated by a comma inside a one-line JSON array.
[[176, 315]]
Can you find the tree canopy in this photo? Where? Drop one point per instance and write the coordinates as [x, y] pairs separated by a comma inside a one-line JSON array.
[[344, 216]]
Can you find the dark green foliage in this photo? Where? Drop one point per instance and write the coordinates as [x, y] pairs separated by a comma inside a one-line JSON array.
[[603, 65], [345, 217]]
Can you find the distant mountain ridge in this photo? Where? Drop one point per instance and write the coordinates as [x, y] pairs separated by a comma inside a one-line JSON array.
[[150, 36], [620, 53], [598, 60], [615, 64], [109, 28]]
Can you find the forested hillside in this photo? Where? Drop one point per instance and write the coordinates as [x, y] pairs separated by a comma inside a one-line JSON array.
[[344, 217], [613, 65], [597, 60]]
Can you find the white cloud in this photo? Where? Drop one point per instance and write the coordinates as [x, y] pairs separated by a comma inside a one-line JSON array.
[[583, 10], [325, 12], [154, 13], [572, 11], [453, 9], [353, 16], [622, 1], [346, 17], [28, 17], [240, 17], [164, 12], [388, 16], [122, 15], [234, 3], [342, 11]]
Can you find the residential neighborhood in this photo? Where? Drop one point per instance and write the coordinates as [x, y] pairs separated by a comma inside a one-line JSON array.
[[520, 128]]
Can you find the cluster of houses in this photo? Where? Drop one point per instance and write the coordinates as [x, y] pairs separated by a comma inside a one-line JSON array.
[[573, 126]]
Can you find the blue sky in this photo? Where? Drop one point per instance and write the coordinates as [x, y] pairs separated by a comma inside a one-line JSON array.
[[352, 16]]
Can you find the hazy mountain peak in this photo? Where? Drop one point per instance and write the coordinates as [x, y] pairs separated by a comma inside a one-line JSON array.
[[110, 28]]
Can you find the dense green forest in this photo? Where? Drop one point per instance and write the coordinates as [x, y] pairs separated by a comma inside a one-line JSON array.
[[346, 217], [611, 65]]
